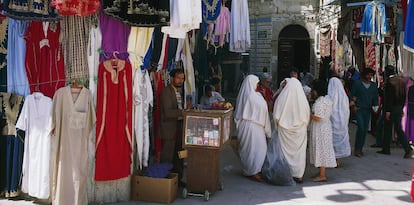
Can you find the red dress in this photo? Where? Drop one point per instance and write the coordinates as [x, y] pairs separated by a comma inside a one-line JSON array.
[[44, 58], [75, 7], [114, 121]]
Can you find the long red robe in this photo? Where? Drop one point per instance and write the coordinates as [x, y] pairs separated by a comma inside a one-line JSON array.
[[114, 121]]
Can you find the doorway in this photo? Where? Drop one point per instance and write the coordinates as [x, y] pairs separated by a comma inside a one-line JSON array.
[[293, 51]]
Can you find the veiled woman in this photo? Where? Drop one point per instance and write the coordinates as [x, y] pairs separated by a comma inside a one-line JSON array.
[[291, 114], [253, 126]]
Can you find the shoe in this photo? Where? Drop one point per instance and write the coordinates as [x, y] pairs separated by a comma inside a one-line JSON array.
[[383, 152], [376, 146], [358, 153], [408, 155], [298, 180], [319, 179], [182, 184], [257, 178]]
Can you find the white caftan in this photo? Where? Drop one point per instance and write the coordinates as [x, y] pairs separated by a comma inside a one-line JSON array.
[[73, 117], [143, 99], [253, 126], [321, 149], [291, 114], [339, 118], [35, 119]]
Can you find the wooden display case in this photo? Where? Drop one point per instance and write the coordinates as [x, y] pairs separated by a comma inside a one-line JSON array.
[[205, 133], [207, 128]]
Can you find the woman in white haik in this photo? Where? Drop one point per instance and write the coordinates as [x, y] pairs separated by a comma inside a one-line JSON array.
[[291, 114], [253, 126], [339, 119]]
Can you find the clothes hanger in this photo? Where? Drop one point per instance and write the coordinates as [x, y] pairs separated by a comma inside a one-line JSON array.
[[114, 60], [75, 87]]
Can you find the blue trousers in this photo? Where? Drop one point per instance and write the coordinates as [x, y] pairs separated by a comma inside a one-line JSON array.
[[363, 116]]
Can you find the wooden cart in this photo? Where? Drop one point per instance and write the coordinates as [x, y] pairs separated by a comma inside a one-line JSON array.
[[205, 133]]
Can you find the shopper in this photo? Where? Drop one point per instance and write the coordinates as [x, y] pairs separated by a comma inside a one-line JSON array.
[[394, 99], [264, 88], [322, 154], [339, 118], [291, 114], [253, 127], [363, 98], [171, 106]]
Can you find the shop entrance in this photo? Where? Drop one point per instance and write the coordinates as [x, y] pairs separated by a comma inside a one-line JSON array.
[[294, 51]]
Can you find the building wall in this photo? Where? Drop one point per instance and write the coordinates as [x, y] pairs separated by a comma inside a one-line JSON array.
[[267, 19]]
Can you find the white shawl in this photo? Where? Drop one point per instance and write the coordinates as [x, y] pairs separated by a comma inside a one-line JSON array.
[[339, 118], [251, 105]]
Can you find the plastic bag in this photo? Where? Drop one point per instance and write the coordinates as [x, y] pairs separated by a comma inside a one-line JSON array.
[[275, 168]]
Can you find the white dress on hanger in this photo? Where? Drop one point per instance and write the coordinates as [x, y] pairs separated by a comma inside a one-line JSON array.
[[35, 119], [143, 99]]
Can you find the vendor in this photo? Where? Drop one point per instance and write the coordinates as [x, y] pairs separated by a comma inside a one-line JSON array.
[[210, 96]]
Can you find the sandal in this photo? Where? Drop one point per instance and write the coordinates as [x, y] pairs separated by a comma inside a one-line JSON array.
[[298, 180], [319, 179], [257, 178]]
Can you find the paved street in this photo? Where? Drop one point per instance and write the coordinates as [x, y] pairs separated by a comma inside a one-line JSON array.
[[372, 179]]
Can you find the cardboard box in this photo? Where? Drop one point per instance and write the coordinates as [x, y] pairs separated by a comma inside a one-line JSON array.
[[160, 190]]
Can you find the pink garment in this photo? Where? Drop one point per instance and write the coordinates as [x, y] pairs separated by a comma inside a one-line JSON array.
[[222, 27]]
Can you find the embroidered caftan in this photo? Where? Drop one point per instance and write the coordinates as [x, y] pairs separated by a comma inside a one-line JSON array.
[[114, 121]]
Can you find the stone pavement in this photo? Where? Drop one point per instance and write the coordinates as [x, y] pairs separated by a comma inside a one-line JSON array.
[[372, 179]]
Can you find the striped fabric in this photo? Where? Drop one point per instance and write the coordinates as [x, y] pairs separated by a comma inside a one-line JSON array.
[[75, 34]]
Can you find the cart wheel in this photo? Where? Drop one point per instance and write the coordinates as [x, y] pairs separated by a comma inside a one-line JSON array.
[[206, 195], [185, 193], [221, 187]]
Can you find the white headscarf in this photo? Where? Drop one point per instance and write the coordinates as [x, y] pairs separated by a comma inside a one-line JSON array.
[[340, 109], [291, 109], [251, 105]]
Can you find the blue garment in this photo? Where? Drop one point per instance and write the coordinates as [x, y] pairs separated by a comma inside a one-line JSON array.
[[158, 170], [374, 22], [210, 13], [409, 28], [16, 70]]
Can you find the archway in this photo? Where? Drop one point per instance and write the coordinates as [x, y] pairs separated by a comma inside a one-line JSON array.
[[293, 50]]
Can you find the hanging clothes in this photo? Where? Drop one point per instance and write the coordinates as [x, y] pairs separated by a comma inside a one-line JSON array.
[[138, 43], [240, 27], [374, 22], [143, 101], [325, 41], [4, 22], [369, 53], [94, 44], [185, 16], [75, 34], [114, 121], [409, 27], [44, 57], [142, 13], [35, 119], [16, 70], [189, 83], [159, 86], [73, 117], [75, 7], [114, 37], [211, 9], [11, 144], [38, 10], [222, 26]]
